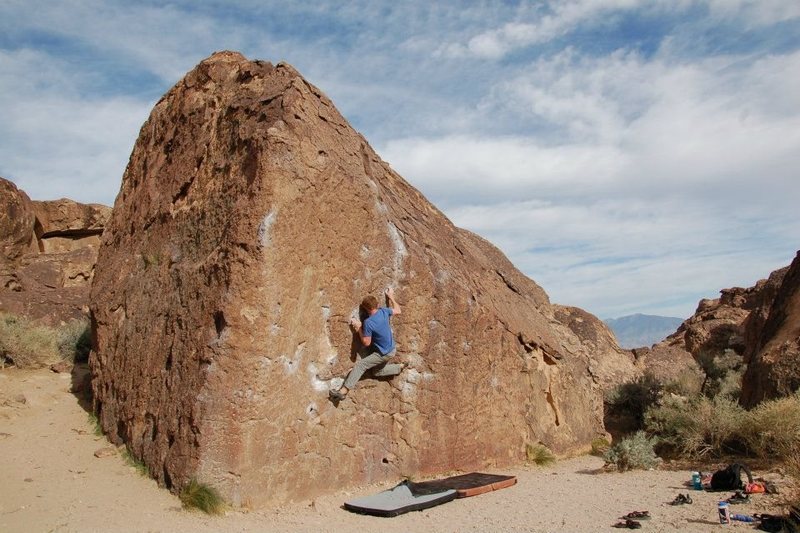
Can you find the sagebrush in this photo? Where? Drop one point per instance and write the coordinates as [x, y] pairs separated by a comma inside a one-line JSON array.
[[698, 427], [634, 452], [25, 344], [772, 428]]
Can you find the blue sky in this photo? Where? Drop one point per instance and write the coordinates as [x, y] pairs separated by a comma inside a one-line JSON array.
[[628, 155]]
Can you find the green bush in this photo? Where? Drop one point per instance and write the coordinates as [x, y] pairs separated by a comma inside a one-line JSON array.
[[26, 344], [631, 400], [698, 427], [200, 496], [539, 454], [635, 452]]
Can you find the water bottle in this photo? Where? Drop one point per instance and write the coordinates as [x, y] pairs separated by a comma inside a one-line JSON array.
[[696, 481], [724, 513]]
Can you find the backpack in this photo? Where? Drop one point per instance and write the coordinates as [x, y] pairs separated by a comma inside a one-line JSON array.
[[730, 477], [770, 522]]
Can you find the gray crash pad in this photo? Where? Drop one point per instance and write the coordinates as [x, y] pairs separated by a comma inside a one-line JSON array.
[[398, 500]]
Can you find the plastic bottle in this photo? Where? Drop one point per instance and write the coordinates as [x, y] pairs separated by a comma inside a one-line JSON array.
[[724, 513]]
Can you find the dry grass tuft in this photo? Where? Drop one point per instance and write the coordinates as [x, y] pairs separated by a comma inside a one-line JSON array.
[[539, 454], [203, 497]]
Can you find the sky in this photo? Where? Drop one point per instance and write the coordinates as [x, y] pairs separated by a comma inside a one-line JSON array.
[[630, 156]]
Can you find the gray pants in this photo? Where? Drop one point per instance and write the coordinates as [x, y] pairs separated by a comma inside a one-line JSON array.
[[367, 360]]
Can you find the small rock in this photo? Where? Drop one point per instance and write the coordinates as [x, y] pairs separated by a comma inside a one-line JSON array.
[[108, 451], [61, 367], [20, 398], [28, 480]]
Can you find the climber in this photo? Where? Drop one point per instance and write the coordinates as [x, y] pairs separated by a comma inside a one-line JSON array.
[[377, 343]]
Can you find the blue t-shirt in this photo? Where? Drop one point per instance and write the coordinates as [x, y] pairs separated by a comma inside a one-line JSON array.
[[377, 326]]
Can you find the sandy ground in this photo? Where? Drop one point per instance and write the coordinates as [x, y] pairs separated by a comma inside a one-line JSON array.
[[52, 481]]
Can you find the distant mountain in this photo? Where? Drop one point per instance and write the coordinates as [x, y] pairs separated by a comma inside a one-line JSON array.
[[635, 331]]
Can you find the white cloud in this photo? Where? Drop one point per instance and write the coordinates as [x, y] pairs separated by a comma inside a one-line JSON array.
[[56, 143], [641, 184], [555, 20], [755, 12], [558, 18]]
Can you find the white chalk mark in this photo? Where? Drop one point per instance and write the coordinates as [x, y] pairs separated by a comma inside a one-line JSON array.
[[264, 227]]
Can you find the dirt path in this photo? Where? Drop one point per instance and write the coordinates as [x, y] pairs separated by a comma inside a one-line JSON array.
[[52, 481]]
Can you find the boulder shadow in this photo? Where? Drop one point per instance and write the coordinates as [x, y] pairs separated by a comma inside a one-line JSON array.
[[81, 386]]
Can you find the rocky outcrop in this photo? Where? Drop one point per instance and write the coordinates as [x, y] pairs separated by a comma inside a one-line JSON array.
[[670, 364], [49, 251], [16, 225], [251, 221], [609, 364], [758, 323], [773, 353], [718, 325], [64, 225]]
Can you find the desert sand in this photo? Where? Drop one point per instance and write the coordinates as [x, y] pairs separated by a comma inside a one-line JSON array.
[[53, 481]]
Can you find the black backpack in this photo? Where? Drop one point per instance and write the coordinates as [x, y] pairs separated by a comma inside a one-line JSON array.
[[773, 523], [730, 477]]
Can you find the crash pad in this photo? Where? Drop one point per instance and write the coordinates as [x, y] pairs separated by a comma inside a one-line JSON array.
[[466, 485], [398, 500]]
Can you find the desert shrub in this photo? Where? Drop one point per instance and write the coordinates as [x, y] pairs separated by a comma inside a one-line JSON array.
[[539, 454], [698, 427], [634, 452], [75, 340], [772, 428], [723, 373], [26, 344], [600, 446], [631, 400], [687, 383], [196, 495]]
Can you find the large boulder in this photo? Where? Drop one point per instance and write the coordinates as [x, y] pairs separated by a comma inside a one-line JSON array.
[[251, 221], [65, 225], [774, 355]]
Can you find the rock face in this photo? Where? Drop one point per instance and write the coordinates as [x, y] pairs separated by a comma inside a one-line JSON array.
[[251, 221], [773, 353], [49, 251], [16, 224], [609, 364]]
